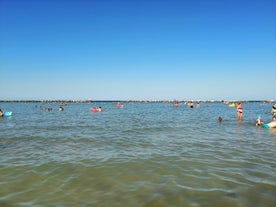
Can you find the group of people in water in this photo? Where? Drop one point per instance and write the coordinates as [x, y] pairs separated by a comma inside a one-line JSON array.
[[239, 111], [189, 104], [50, 108], [259, 122]]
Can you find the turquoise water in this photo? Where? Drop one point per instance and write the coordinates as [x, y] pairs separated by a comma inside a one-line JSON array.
[[146, 154]]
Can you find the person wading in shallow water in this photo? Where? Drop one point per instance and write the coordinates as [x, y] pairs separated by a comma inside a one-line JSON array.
[[273, 112], [239, 111]]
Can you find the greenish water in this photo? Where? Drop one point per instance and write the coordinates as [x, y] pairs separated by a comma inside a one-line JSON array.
[[146, 154]]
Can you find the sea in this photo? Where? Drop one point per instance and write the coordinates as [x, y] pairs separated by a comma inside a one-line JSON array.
[[143, 155]]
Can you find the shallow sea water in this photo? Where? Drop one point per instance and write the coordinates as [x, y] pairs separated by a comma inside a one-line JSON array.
[[146, 154]]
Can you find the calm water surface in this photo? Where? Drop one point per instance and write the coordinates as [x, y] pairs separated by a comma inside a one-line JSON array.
[[146, 154]]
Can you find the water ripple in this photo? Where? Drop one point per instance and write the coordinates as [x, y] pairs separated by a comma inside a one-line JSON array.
[[142, 155]]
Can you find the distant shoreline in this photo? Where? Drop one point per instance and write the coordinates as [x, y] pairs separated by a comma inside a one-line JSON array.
[[142, 101]]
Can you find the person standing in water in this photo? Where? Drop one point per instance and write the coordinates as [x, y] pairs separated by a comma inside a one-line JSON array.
[[273, 112], [239, 111], [197, 105]]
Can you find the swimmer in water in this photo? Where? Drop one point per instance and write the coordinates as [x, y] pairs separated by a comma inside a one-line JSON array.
[[259, 121], [220, 119]]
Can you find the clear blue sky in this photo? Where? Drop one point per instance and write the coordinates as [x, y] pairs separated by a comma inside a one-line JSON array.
[[138, 49]]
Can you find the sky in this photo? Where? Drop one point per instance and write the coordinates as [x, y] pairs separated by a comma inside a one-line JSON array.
[[138, 49]]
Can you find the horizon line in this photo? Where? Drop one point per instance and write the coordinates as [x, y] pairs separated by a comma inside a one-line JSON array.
[[133, 100]]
